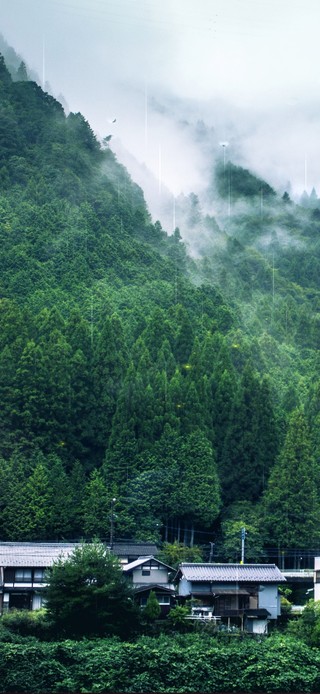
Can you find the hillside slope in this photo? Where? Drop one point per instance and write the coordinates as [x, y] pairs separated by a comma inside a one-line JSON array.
[[127, 369]]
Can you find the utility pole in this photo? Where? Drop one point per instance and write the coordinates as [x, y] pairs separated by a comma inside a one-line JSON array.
[[212, 544], [243, 537]]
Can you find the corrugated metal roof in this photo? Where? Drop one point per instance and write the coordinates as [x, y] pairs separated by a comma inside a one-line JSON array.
[[34, 553], [235, 573]]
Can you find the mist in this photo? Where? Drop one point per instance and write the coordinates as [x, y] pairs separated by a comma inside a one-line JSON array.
[[170, 81]]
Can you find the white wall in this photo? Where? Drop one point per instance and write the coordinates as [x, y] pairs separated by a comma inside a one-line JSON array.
[[157, 575], [36, 602], [184, 587], [268, 599]]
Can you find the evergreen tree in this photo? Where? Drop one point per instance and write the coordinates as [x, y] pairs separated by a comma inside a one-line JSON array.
[[77, 480], [96, 507], [152, 609], [22, 74], [60, 512], [291, 507], [88, 595], [251, 441], [199, 486], [110, 361]]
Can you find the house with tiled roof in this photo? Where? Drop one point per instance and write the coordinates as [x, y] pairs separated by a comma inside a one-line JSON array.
[[22, 569], [23, 566], [246, 595], [150, 574]]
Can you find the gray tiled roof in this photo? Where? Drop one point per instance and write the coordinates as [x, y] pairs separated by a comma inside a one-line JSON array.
[[134, 549], [45, 553], [261, 573], [34, 553]]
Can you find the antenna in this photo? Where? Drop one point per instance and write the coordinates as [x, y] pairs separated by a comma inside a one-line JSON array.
[[224, 145]]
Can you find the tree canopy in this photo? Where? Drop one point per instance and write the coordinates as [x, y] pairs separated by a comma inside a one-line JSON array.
[[88, 595], [131, 370]]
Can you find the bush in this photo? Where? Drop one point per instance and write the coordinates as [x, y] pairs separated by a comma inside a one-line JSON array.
[[27, 623], [177, 621], [307, 626], [168, 664]]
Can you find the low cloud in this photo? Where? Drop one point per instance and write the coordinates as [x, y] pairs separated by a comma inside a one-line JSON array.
[[181, 77]]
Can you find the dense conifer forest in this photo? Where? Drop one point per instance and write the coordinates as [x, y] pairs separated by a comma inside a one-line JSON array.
[[184, 385]]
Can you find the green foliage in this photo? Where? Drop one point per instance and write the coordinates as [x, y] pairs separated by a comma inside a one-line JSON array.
[[164, 664], [231, 530], [177, 619], [244, 184], [87, 595], [173, 553], [291, 507], [96, 507], [27, 623], [152, 609], [128, 369], [286, 606], [307, 626]]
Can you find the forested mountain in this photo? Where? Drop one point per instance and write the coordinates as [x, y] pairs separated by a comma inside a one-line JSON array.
[[186, 389]]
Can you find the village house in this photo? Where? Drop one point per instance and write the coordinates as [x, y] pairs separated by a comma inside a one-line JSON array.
[[150, 574], [23, 565], [22, 568], [245, 595]]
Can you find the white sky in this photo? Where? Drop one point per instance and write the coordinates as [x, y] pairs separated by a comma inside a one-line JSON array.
[[109, 57]]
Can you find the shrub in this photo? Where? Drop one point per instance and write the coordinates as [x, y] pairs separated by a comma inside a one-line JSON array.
[[27, 623]]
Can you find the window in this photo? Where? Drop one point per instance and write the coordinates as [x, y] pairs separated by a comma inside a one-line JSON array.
[[23, 575], [145, 571], [20, 601], [317, 576], [163, 599], [38, 575]]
